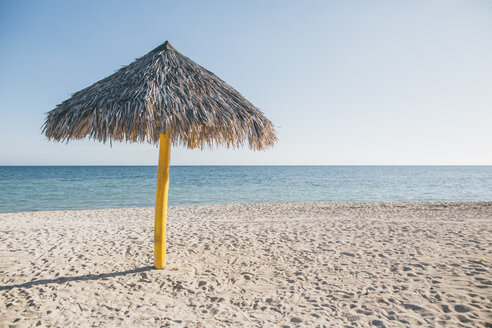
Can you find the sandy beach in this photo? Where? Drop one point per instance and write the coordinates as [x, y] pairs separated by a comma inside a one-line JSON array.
[[296, 264]]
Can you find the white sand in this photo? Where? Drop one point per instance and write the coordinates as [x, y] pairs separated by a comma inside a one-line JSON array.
[[332, 264]]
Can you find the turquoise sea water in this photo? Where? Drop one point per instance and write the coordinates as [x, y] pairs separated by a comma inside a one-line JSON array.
[[32, 188]]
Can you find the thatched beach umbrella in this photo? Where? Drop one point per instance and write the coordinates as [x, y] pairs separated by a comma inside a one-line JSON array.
[[162, 97]]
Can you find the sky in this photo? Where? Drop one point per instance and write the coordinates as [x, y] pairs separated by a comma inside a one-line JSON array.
[[344, 82]]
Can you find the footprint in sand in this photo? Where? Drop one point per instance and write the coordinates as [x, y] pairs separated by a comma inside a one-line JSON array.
[[462, 308]]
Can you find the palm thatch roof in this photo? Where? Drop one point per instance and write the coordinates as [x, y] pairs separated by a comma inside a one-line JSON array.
[[161, 91]]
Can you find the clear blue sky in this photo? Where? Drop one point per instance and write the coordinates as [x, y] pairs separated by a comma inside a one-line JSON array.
[[344, 82]]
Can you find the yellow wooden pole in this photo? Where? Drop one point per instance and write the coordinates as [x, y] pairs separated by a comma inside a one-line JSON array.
[[161, 201]]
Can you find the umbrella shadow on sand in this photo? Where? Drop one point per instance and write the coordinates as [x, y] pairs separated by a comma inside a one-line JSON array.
[[62, 280]]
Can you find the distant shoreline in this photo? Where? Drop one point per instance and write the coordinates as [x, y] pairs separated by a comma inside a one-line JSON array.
[[334, 203]]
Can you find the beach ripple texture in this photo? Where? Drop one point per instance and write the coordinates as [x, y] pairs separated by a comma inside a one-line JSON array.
[[423, 264]]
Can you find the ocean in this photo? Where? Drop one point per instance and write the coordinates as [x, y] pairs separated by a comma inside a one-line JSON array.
[[36, 188]]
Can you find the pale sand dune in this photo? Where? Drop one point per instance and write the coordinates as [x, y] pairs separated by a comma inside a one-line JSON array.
[[331, 264]]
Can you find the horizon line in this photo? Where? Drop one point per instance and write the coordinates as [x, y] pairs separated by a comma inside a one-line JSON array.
[[155, 165]]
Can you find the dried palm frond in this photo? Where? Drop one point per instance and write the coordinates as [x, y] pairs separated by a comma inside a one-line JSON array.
[[161, 91]]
